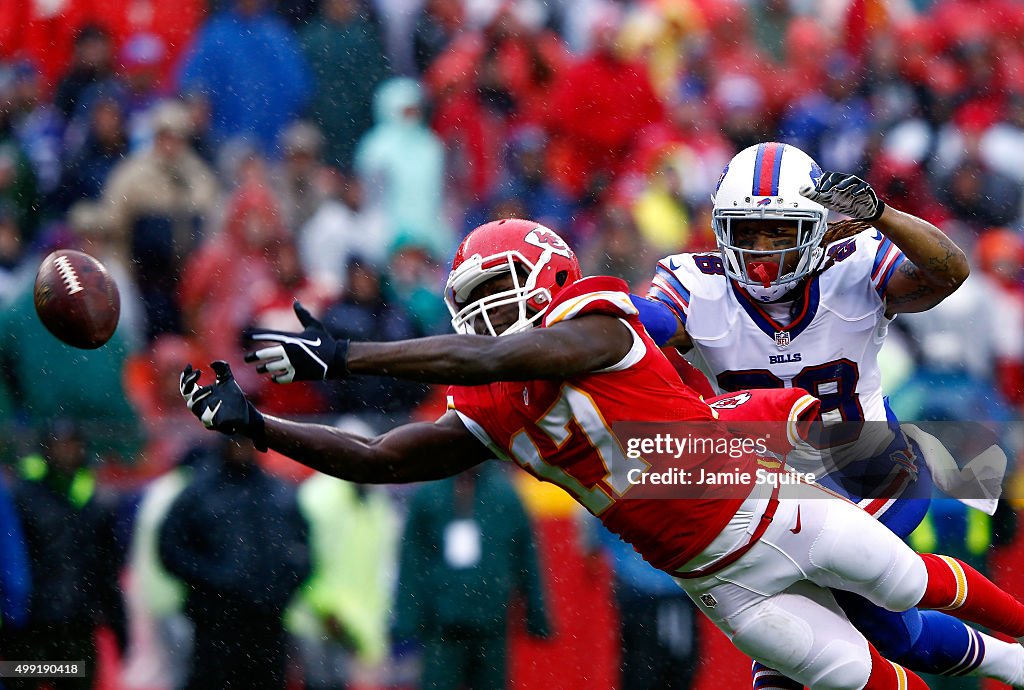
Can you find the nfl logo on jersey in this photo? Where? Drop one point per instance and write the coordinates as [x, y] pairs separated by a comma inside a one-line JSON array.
[[782, 339], [708, 600]]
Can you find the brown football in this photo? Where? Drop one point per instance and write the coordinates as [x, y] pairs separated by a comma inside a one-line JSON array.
[[76, 299]]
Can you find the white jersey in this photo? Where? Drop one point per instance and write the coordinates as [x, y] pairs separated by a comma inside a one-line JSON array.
[[829, 347]]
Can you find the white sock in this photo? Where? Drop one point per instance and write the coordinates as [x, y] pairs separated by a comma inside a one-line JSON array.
[[1004, 661]]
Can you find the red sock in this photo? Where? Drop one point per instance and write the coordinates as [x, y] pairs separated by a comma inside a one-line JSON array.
[[886, 675], [961, 591]]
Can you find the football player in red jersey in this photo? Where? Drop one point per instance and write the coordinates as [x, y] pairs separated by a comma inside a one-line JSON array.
[[545, 397]]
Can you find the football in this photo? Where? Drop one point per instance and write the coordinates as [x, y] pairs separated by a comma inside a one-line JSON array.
[[76, 299]]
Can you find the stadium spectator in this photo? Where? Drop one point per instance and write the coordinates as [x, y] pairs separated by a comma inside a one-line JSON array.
[[237, 540], [15, 270], [348, 62], [173, 25], [221, 280], [893, 98], [362, 313], [160, 635], [138, 74], [962, 368], [832, 123], [411, 283], [297, 179], [657, 622], [401, 165], [1002, 144], [770, 20], [157, 201], [590, 129], [527, 179], [689, 141], [343, 225], [74, 559], [19, 187], [105, 144], [486, 82], [979, 197], [38, 125], [999, 253], [905, 184], [659, 210], [341, 613], [439, 22], [616, 247], [248, 63], [467, 552], [92, 61], [198, 106]]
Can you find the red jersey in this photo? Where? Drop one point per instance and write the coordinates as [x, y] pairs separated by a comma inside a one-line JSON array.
[[561, 431]]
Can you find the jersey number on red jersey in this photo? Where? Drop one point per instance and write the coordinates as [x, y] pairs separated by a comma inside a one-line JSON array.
[[574, 405]]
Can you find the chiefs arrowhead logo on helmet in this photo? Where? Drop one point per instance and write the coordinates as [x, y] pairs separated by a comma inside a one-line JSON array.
[[535, 259]]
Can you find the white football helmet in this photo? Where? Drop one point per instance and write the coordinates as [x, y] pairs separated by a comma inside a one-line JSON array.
[[762, 182]]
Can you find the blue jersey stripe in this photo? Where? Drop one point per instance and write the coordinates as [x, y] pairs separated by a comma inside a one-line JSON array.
[[673, 282], [880, 253], [889, 274], [664, 298]]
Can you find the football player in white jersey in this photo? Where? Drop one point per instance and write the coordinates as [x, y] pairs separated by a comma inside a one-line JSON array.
[[789, 301]]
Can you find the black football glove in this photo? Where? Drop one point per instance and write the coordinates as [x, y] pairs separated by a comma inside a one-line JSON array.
[[222, 405], [312, 355], [846, 194]]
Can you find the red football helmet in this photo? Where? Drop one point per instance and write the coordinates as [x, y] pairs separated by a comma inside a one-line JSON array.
[[545, 265]]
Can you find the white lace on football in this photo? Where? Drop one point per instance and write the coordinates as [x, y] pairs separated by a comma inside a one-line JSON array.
[[68, 274]]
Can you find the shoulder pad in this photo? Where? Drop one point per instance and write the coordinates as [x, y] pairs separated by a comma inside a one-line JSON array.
[[592, 295]]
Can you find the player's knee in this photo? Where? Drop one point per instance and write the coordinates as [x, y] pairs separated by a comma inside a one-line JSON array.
[[775, 638], [904, 586], [850, 670], [787, 643], [840, 665]]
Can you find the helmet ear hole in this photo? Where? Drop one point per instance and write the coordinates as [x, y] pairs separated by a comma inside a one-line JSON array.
[[561, 277]]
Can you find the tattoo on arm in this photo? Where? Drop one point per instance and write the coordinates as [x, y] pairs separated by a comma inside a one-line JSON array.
[[923, 289], [943, 265]]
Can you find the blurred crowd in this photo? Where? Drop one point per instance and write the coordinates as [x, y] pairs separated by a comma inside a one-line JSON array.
[[226, 157]]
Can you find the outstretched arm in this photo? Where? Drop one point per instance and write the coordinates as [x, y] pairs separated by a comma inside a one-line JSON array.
[[565, 349], [571, 347], [410, 453]]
